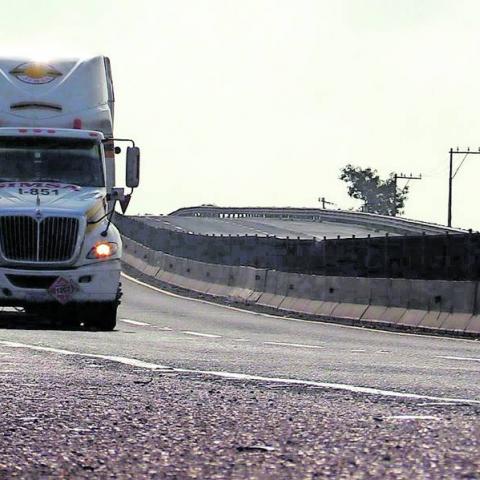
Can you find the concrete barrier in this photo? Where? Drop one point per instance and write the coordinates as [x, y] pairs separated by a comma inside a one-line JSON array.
[[392, 315], [194, 276], [374, 313], [457, 322], [243, 283], [350, 311], [473, 326], [304, 294], [177, 268], [433, 320], [379, 291], [429, 305], [412, 317], [222, 276], [273, 295]]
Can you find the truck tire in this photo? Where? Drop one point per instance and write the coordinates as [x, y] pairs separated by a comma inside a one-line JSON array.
[[101, 316]]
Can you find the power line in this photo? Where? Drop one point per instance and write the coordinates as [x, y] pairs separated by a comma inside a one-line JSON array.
[[451, 176], [397, 177], [460, 166]]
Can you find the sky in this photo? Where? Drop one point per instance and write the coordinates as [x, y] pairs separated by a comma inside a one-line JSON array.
[[262, 102]]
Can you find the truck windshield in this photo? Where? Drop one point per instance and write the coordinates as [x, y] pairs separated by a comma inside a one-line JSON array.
[[66, 160]]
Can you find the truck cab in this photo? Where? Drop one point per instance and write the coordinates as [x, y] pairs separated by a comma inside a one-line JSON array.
[[59, 252]]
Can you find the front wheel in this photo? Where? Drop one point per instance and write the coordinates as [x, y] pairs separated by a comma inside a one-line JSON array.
[[100, 316]]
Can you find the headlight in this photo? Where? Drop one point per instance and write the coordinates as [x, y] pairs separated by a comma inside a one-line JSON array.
[[103, 250]]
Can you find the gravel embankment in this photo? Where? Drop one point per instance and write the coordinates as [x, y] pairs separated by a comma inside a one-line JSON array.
[[85, 418]]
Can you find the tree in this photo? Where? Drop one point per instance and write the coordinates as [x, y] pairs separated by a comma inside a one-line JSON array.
[[379, 196]]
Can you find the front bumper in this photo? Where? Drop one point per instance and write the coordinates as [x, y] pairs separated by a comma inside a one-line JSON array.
[[100, 283]]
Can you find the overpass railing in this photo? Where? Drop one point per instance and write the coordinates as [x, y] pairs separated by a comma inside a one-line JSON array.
[[398, 225]]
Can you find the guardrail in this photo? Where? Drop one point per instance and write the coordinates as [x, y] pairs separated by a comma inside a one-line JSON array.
[[402, 226]]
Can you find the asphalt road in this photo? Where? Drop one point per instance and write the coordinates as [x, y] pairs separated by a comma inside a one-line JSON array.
[[261, 227], [188, 389]]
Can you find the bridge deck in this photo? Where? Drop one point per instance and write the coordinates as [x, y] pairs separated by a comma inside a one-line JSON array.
[[261, 227]]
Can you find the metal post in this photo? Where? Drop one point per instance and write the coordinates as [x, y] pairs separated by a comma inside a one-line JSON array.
[[450, 178], [324, 202], [395, 177]]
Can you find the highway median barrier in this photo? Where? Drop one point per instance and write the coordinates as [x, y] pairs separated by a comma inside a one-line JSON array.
[[442, 254], [351, 311], [474, 325], [274, 291], [435, 306], [248, 283]]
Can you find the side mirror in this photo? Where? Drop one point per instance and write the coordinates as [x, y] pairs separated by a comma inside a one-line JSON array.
[[133, 167]]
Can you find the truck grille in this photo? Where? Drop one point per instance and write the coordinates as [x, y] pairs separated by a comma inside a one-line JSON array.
[[51, 239]]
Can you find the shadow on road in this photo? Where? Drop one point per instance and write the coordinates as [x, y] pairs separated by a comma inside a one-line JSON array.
[[22, 321]]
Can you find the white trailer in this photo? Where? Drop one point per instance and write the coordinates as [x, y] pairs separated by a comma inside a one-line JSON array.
[[59, 253]]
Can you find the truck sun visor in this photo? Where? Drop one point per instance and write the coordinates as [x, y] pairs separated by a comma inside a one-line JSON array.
[[42, 105]]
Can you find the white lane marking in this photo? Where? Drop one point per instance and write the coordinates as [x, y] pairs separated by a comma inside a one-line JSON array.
[[285, 344], [165, 329], [358, 350], [269, 315], [435, 404], [134, 322], [411, 417], [240, 340], [113, 358], [467, 359], [198, 334], [242, 376]]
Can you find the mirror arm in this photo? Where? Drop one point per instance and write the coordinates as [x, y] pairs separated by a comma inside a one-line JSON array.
[[93, 222], [108, 214], [113, 139], [112, 211]]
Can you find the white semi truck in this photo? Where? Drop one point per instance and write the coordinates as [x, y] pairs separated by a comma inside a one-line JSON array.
[[59, 253]]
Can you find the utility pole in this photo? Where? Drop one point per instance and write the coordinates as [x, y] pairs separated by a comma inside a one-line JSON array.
[[396, 177], [452, 175], [324, 202], [450, 179]]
